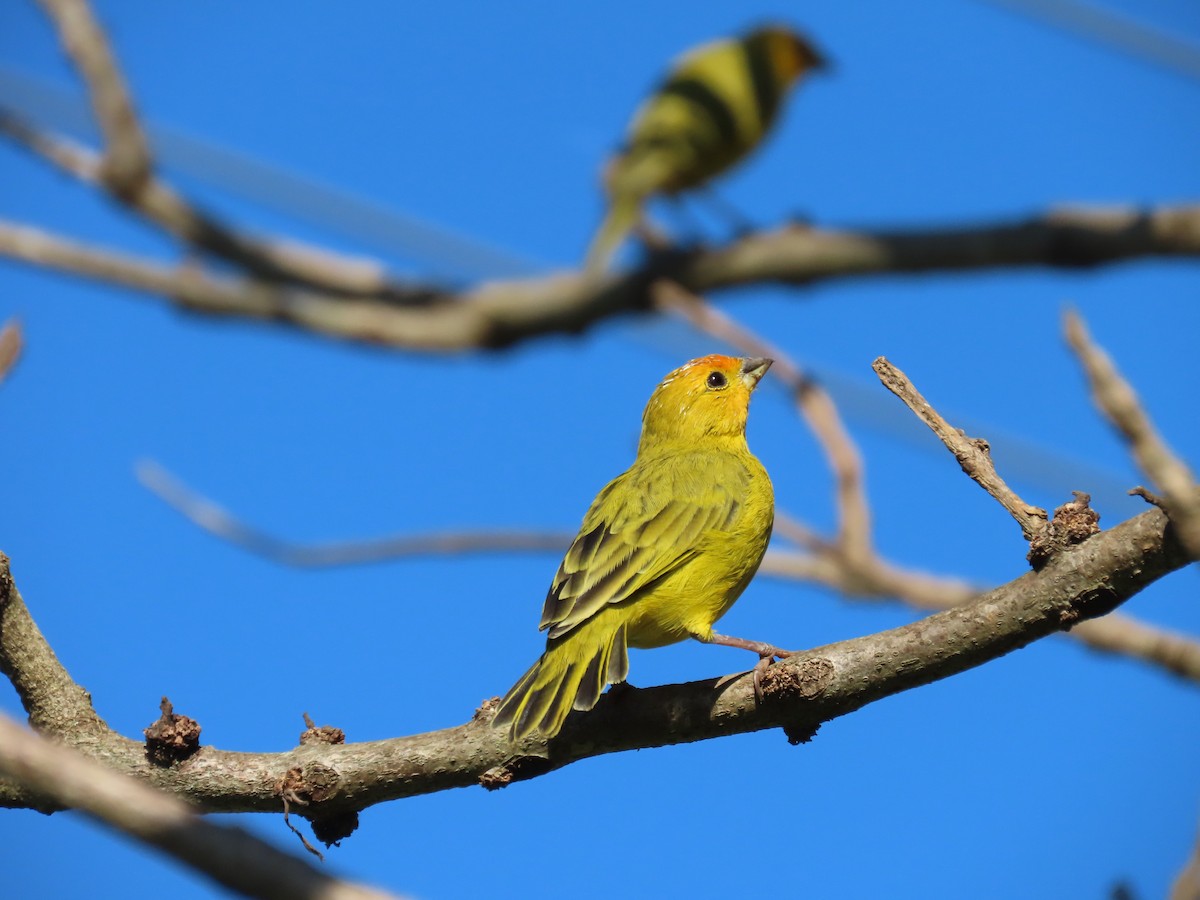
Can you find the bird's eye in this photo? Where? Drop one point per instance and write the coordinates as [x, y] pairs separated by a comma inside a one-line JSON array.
[[716, 380]]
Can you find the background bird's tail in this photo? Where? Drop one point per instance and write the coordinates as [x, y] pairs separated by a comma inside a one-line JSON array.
[[572, 673], [624, 211]]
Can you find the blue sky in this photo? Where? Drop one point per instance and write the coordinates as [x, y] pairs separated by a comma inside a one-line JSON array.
[[1053, 772]]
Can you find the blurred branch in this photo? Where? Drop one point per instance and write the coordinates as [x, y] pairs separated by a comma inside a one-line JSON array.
[[229, 856], [502, 313], [1118, 401], [126, 173], [855, 576], [11, 344], [336, 296], [1187, 884], [219, 522], [127, 164], [801, 692]]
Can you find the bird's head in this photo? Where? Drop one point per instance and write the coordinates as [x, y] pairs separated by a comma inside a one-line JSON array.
[[791, 53], [704, 399]]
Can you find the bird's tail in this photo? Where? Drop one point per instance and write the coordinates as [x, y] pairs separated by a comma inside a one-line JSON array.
[[571, 674], [624, 211]]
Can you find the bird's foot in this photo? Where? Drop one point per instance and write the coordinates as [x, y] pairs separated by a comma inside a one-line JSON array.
[[767, 653], [764, 662]]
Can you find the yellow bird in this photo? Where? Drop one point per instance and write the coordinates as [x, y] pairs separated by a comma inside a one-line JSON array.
[[718, 103], [664, 550]]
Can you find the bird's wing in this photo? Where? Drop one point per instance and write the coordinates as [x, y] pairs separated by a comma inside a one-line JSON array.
[[642, 526]]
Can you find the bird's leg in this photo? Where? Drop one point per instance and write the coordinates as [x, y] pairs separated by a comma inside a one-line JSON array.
[[766, 655], [686, 223], [652, 236], [738, 223]]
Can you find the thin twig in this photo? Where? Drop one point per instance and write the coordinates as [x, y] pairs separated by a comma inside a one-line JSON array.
[[229, 856], [972, 453], [11, 344], [1187, 884], [219, 522], [1120, 404], [274, 259]]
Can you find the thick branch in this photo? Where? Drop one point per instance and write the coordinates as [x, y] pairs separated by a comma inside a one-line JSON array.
[[230, 856], [1069, 237], [1118, 401], [802, 692]]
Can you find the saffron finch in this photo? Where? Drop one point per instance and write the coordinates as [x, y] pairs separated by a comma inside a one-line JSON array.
[[717, 104], [664, 551]]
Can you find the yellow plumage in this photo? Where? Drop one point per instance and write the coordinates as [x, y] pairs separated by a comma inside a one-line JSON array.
[[717, 104], [664, 551]]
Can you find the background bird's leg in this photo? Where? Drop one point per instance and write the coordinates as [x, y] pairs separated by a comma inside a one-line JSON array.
[[766, 655], [689, 228], [651, 235], [738, 223]]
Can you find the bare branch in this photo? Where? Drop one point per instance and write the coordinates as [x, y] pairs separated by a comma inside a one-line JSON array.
[[1119, 402], [269, 259], [972, 453], [867, 577], [127, 164], [1187, 884], [504, 313], [219, 522], [67, 155], [801, 692], [11, 344], [1068, 237], [229, 856]]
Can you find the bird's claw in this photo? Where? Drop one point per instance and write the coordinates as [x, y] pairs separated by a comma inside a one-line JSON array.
[[764, 662]]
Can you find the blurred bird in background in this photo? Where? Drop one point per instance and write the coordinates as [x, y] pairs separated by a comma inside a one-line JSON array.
[[664, 551], [718, 103]]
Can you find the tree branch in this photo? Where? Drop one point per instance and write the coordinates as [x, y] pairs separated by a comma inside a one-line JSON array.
[[1186, 885], [973, 454], [11, 344], [802, 692], [229, 856], [1119, 403], [127, 165], [220, 523], [502, 313], [54, 703], [126, 173]]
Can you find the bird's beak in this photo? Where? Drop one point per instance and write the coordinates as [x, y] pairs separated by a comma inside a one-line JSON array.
[[753, 369]]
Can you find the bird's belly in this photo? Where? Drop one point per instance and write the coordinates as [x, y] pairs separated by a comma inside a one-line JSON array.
[[689, 601]]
